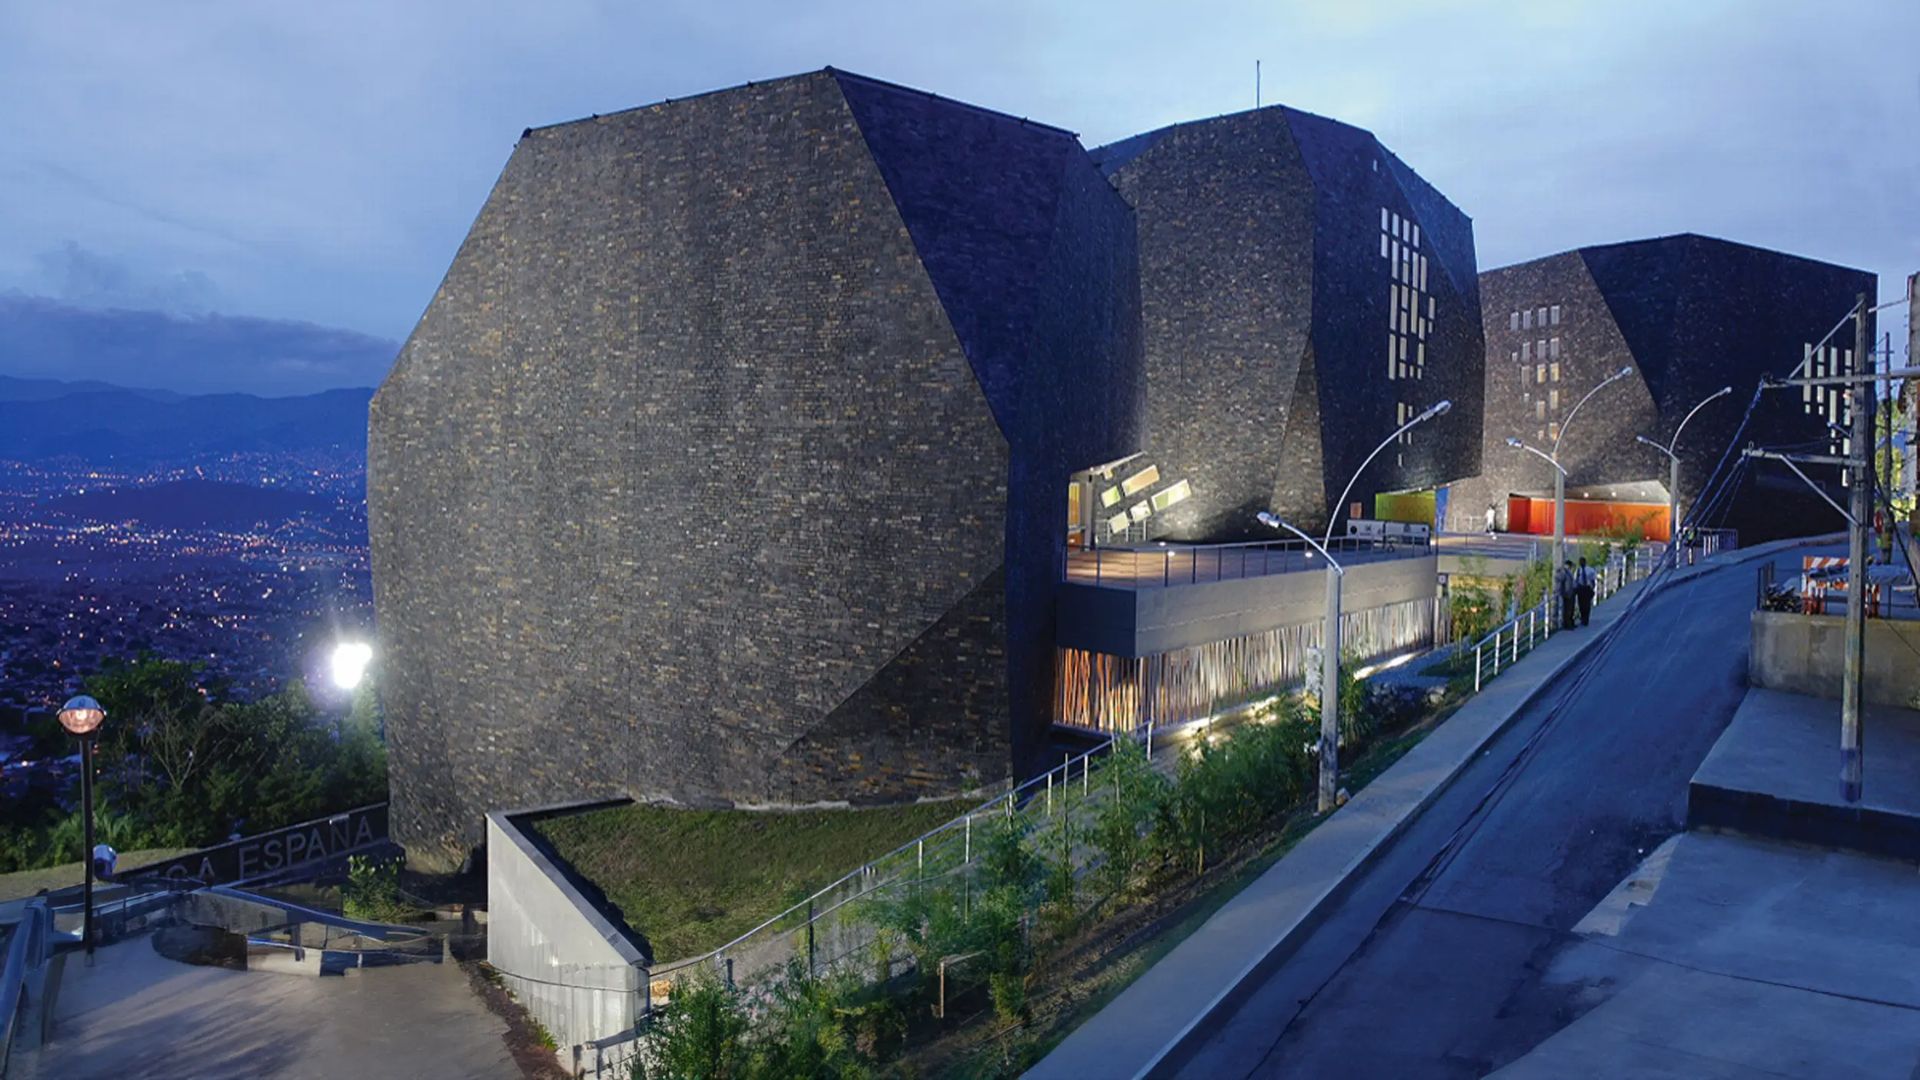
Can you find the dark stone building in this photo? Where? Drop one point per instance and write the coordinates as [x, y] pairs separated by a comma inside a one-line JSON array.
[[1303, 293], [1690, 315], [739, 456]]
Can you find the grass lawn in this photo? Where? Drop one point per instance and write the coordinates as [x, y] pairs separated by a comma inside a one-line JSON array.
[[28, 882], [693, 880]]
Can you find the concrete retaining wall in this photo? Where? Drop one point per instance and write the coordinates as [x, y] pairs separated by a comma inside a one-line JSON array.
[[1805, 654], [567, 963]]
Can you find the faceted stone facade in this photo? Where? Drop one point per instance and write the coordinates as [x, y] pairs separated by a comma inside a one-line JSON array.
[[1689, 314], [730, 463], [1302, 293], [737, 431]]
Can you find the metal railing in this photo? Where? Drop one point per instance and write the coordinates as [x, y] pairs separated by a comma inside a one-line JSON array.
[[832, 930], [1535, 625], [1187, 564], [29, 945]]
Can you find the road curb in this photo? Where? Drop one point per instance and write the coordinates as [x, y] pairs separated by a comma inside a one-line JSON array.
[[1364, 850]]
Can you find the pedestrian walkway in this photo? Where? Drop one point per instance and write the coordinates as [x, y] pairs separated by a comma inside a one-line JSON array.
[[134, 1013]]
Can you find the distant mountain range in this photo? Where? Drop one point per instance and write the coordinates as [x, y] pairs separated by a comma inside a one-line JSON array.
[[196, 504], [47, 339], [98, 422]]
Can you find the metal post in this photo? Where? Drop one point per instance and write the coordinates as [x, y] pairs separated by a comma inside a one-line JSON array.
[[1330, 696], [1496, 649], [1515, 655], [1673, 495], [1049, 792], [1559, 526], [1861, 396], [1476, 669], [86, 854]]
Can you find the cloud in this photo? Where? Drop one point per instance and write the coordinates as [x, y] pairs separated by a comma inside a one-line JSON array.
[[89, 279]]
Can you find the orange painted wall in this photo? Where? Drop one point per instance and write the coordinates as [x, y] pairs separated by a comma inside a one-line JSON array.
[[1535, 516]]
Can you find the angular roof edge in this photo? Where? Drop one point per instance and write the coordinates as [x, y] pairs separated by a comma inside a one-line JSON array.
[[1676, 238], [835, 72]]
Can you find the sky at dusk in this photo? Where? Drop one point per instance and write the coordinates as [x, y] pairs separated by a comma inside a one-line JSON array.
[[321, 162]]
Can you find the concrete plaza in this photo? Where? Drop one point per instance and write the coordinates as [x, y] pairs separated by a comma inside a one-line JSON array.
[[135, 1013]]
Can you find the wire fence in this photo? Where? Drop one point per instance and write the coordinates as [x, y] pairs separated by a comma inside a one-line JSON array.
[[841, 928]]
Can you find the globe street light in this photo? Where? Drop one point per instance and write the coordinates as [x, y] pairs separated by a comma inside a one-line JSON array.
[[82, 717], [1329, 668], [1436, 409], [1673, 464]]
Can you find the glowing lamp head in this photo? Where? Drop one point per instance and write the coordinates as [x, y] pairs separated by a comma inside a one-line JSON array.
[[350, 660], [1268, 518], [82, 716], [1516, 443]]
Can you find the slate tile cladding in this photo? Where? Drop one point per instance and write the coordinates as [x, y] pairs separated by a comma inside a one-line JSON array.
[[727, 463], [1691, 314], [1265, 304]]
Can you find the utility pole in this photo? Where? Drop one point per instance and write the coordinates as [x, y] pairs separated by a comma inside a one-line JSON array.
[[1860, 398]]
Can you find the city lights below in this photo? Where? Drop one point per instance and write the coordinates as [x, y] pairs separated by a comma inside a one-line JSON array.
[[350, 660]]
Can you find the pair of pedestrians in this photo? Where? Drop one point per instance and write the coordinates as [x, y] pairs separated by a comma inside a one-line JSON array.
[[1573, 592]]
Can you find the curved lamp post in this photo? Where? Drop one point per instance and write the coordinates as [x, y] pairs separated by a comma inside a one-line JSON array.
[[1560, 474], [1329, 667], [1673, 464], [82, 717], [1436, 409]]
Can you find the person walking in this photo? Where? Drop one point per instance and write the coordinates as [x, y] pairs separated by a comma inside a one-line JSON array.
[[1563, 593], [1490, 517], [1584, 580]]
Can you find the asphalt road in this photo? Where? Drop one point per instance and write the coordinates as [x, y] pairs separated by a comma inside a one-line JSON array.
[[1431, 966]]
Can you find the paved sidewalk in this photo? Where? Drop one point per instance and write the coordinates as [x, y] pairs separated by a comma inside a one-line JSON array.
[[135, 1013], [1727, 956], [1260, 926]]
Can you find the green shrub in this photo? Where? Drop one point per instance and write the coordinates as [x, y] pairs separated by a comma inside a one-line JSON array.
[[372, 890], [1131, 797], [700, 1034]]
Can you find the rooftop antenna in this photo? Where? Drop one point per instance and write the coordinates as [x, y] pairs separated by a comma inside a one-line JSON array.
[[1256, 84]]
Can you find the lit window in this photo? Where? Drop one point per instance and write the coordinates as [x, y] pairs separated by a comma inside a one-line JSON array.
[[1526, 351], [1118, 523], [1553, 400], [1540, 373], [1513, 321], [1140, 511], [1416, 238], [1539, 410], [1383, 219], [1141, 480], [1393, 353], [1554, 313], [1429, 309], [1383, 245], [1516, 356], [1553, 348], [1553, 432], [1543, 316], [1555, 374], [1110, 498], [1420, 354], [1423, 265], [1178, 493], [1526, 319]]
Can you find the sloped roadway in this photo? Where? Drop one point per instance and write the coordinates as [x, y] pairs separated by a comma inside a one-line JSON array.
[[1431, 966]]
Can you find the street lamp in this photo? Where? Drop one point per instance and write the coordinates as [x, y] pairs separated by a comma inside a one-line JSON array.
[[1673, 464], [1560, 474], [1559, 513], [1432, 411], [82, 717], [1329, 667], [349, 663]]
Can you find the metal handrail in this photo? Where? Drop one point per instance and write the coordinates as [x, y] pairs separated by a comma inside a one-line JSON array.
[[1167, 564], [1615, 574]]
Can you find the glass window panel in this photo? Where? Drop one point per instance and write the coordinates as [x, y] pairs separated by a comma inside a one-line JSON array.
[[1141, 480], [1513, 321], [1178, 493], [1540, 373], [1118, 523], [1110, 498], [1554, 311], [1140, 511]]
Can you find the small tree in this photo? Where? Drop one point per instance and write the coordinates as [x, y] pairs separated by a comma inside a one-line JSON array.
[[1132, 793], [700, 1034]]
